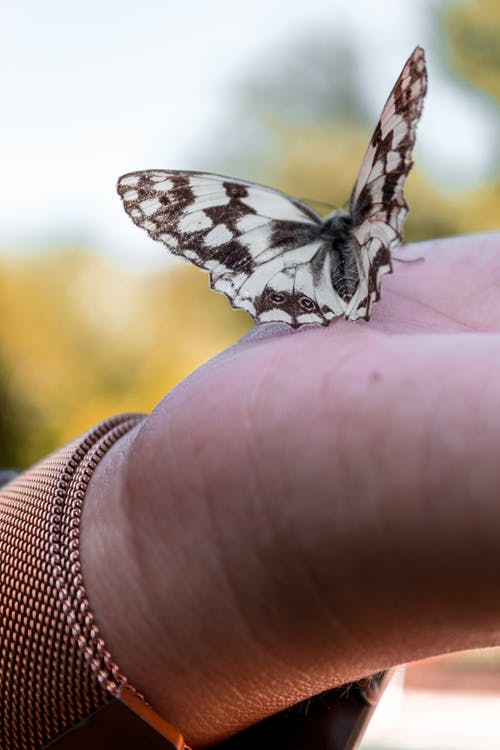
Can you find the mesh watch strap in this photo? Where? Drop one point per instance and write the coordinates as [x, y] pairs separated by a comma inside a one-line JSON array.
[[55, 669]]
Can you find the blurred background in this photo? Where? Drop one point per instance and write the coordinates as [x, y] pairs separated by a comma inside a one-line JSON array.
[[96, 318]]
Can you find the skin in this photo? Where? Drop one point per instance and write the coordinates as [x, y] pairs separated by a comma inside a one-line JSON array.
[[310, 507]]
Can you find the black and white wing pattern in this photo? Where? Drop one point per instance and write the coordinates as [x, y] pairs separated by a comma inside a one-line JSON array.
[[261, 247], [377, 206], [273, 255]]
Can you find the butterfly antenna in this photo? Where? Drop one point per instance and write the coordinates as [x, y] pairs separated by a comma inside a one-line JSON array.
[[321, 205]]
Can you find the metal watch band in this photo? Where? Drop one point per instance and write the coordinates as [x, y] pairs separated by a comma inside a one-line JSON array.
[[55, 669]]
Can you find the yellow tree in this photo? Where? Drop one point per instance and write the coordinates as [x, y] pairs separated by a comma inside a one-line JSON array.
[[474, 32]]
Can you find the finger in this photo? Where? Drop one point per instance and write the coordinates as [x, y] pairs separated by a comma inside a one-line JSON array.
[[267, 501]]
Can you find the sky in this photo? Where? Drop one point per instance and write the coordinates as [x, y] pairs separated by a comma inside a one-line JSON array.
[[96, 89]]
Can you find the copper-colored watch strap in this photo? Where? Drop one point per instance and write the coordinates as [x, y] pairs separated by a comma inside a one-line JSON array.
[[55, 669]]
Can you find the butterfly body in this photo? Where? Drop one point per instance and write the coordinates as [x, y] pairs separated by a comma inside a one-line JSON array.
[[271, 254], [338, 229]]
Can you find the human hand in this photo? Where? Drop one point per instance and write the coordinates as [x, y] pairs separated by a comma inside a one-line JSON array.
[[310, 507]]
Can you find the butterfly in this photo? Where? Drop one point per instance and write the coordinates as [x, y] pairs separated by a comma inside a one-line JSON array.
[[271, 254]]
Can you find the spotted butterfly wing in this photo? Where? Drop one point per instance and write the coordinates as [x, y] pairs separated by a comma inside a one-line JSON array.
[[377, 206], [264, 250], [273, 255]]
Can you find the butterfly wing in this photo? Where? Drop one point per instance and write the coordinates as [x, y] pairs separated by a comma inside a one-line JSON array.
[[377, 205], [270, 254], [262, 248]]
